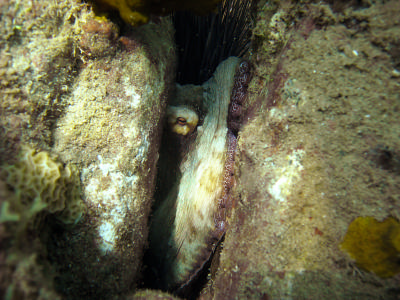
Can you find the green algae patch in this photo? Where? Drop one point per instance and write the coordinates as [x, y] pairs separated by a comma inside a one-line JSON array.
[[374, 245]]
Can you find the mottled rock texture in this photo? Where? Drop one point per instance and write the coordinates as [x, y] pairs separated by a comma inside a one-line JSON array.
[[320, 147], [93, 94], [112, 129]]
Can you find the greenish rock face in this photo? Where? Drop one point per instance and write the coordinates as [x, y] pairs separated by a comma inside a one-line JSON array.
[[321, 149], [112, 128], [80, 89]]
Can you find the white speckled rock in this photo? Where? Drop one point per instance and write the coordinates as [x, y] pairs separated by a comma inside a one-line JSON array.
[[93, 95], [111, 129]]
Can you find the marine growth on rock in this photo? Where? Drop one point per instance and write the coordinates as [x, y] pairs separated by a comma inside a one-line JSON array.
[[374, 245], [41, 184], [137, 12]]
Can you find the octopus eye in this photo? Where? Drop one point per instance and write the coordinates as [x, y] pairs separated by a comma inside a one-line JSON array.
[[181, 121]]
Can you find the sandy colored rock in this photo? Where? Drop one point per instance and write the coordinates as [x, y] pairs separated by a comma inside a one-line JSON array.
[[93, 95], [111, 128], [320, 149]]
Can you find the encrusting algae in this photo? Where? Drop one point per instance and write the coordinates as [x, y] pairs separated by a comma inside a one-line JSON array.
[[374, 245]]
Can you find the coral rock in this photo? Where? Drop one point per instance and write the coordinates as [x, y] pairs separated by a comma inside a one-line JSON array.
[[41, 183]]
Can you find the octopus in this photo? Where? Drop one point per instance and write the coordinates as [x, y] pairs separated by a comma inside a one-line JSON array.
[[191, 220]]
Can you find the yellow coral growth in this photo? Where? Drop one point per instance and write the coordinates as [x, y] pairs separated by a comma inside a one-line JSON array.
[[136, 12], [131, 11], [374, 245], [40, 184]]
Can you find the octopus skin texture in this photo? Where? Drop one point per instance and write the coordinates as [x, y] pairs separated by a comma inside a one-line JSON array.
[[192, 219]]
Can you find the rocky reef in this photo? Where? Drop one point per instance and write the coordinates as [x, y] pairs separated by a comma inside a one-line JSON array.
[[76, 87], [319, 150]]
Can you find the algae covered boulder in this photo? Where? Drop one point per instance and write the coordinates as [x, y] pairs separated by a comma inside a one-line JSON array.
[[90, 97], [36, 188], [320, 149]]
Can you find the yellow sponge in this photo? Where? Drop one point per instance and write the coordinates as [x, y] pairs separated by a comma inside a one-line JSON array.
[[374, 245], [137, 12], [40, 183]]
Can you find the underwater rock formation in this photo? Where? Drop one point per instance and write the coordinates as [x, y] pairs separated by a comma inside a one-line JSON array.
[[34, 189], [77, 87], [112, 129], [320, 148], [308, 161]]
